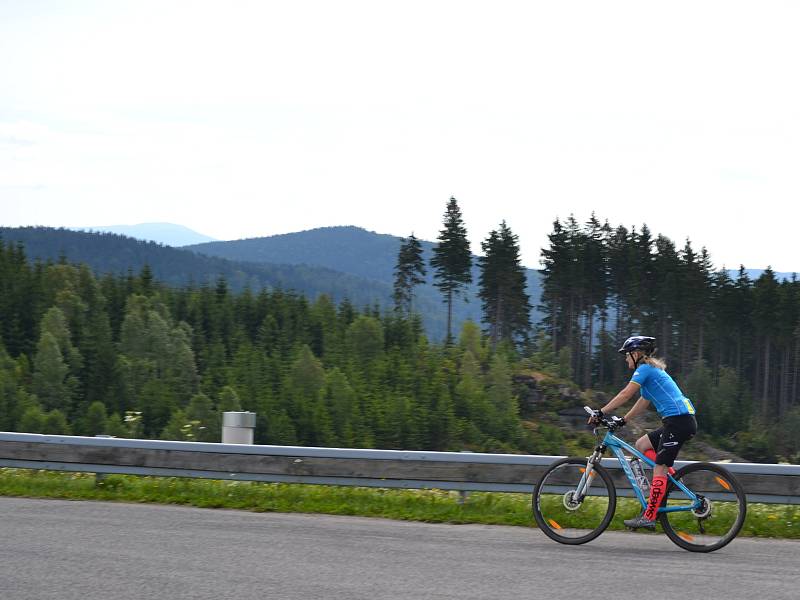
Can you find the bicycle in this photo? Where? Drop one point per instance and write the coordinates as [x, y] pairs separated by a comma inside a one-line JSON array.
[[703, 510]]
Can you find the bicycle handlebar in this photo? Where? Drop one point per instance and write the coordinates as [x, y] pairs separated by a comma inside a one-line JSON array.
[[613, 423]]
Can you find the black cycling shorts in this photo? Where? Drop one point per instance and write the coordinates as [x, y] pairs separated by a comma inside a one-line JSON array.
[[668, 439]]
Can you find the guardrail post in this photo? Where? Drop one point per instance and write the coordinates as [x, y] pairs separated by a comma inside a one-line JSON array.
[[463, 494], [237, 427], [99, 478]]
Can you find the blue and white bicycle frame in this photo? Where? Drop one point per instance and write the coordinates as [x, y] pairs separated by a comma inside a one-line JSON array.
[[618, 446]]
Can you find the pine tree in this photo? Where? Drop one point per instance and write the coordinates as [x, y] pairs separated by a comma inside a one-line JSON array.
[[342, 403], [506, 306], [505, 418], [201, 411], [555, 283], [452, 260], [595, 286], [303, 388], [94, 423], [50, 374], [55, 423], [409, 272], [765, 320]]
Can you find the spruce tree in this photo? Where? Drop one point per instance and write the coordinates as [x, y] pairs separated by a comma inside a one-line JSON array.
[[506, 306], [409, 272], [452, 260], [555, 283], [767, 298], [50, 374]]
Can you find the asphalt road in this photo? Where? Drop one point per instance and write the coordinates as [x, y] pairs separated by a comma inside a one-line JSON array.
[[91, 550]]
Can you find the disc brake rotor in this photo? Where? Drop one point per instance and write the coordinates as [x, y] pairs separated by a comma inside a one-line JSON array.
[[569, 501]]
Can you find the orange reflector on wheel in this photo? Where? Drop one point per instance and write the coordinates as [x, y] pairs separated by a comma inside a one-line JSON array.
[[583, 470], [686, 536], [723, 483], [553, 524]]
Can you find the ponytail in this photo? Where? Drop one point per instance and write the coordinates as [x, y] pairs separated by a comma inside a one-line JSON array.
[[658, 363]]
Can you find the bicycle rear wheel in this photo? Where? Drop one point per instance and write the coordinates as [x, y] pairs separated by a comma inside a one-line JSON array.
[[720, 517], [560, 515]]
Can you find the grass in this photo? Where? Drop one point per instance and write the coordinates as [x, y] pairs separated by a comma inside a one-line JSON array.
[[433, 506]]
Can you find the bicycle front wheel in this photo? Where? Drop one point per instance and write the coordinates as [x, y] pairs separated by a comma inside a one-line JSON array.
[[563, 516], [718, 519]]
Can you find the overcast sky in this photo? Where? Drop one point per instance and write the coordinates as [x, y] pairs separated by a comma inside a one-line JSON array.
[[245, 119]]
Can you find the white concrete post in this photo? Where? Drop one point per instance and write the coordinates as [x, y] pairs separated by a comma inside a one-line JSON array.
[[237, 427]]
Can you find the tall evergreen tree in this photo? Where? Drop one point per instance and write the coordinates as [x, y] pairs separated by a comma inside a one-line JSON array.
[[452, 260], [555, 283], [409, 272], [506, 305], [765, 310], [50, 381]]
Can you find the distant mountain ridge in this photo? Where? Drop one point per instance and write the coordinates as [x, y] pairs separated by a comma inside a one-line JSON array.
[[118, 254], [362, 253], [163, 233], [348, 249], [342, 262]]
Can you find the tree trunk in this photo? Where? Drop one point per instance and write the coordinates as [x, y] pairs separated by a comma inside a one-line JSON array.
[[495, 328], [449, 339], [784, 393], [587, 369], [765, 389], [793, 399], [700, 341], [664, 344], [601, 375], [554, 318]]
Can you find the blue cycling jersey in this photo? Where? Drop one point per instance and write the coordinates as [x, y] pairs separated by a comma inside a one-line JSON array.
[[662, 391]]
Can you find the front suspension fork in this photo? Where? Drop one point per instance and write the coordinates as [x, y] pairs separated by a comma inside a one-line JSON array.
[[588, 475]]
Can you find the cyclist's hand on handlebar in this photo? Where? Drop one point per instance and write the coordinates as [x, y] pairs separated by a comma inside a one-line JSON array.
[[596, 417]]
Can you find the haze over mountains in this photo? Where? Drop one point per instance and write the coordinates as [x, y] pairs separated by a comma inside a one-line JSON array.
[[169, 234]]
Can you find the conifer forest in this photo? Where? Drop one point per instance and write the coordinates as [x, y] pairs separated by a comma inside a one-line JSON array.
[[88, 353]]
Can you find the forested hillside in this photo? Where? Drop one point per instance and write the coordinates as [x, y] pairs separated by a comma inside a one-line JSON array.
[[118, 254], [733, 343], [366, 254], [129, 356], [341, 262]]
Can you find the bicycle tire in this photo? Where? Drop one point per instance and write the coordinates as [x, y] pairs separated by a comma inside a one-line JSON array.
[[599, 508], [726, 508]]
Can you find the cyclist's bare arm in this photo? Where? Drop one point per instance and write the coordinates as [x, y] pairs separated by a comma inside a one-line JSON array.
[[640, 406], [628, 392]]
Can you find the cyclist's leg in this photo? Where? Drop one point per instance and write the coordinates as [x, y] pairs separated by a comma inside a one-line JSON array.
[[643, 444], [675, 432], [648, 442]]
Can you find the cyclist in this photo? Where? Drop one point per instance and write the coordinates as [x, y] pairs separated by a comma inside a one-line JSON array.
[[654, 386]]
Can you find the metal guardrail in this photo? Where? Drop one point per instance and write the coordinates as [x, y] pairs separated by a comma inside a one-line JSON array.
[[335, 466]]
